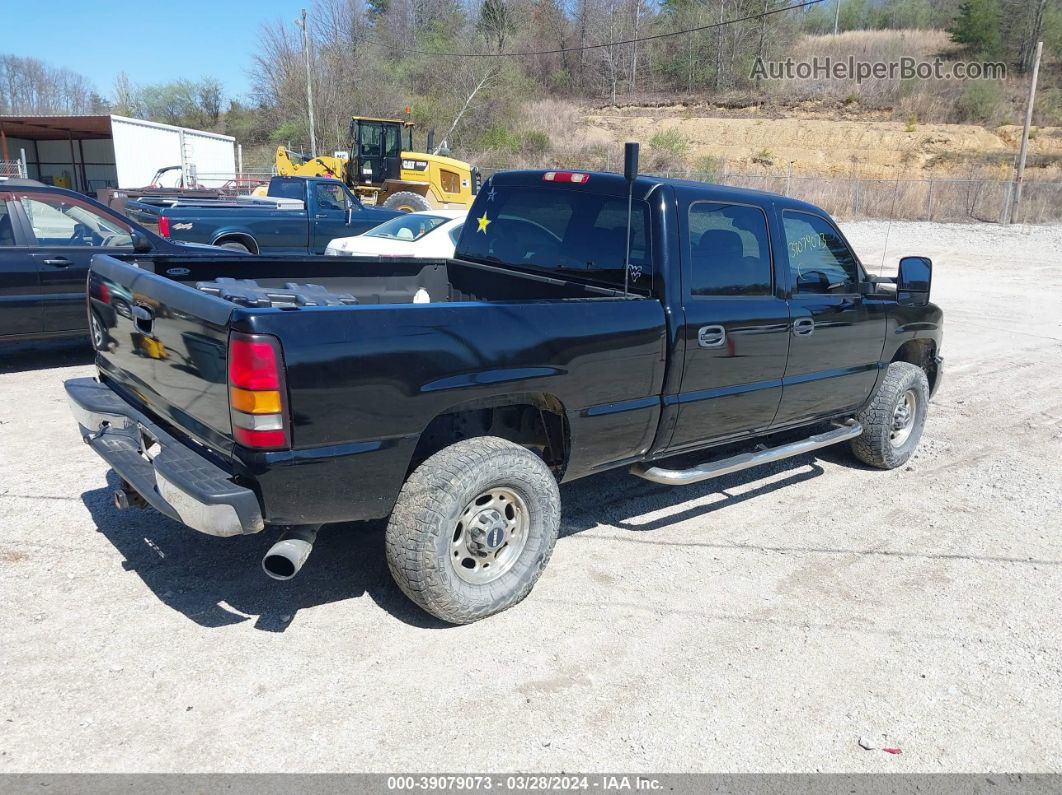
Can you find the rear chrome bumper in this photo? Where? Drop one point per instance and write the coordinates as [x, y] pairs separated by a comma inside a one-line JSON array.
[[172, 477]]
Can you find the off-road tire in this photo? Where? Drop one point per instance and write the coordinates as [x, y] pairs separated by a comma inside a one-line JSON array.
[[408, 202], [874, 446], [422, 527], [232, 245]]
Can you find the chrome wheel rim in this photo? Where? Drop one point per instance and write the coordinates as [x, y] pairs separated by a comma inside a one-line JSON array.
[[97, 332], [903, 418], [489, 536]]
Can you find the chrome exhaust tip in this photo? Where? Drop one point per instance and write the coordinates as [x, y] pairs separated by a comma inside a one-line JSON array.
[[286, 557]]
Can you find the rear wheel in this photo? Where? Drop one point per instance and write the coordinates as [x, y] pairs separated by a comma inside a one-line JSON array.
[[233, 245], [893, 422], [473, 528], [407, 202]]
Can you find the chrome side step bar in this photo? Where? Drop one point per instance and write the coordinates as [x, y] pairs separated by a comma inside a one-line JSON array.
[[724, 466]]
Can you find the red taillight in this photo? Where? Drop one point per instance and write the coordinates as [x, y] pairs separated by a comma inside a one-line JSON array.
[[253, 364], [164, 226], [105, 294], [260, 440], [257, 397], [566, 176]]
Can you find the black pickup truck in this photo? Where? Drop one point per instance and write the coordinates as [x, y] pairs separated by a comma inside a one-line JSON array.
[[454, 395]]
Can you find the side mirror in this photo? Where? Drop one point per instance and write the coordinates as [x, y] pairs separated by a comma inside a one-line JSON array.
[[141, 245], [914, 280]]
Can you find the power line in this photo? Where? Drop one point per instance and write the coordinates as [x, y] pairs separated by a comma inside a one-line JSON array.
[[603, 44]]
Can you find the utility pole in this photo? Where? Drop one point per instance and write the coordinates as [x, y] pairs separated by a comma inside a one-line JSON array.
[[309, 83], [1024, 150], [836, 16]]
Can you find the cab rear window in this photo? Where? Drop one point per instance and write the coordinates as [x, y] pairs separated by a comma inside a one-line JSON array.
[[567, 232]]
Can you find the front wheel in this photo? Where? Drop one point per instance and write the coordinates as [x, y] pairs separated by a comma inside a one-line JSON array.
[[893, 422], [473, 528], [408, 202]]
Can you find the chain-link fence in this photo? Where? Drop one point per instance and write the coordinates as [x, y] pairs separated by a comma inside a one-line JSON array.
[[952, 200], [848, 198], [852, 198], [10, 169]]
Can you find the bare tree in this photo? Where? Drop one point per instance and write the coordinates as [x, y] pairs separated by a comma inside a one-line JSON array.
[[29, 85]]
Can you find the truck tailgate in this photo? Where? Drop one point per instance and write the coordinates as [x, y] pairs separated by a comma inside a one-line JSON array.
[[165, 347]]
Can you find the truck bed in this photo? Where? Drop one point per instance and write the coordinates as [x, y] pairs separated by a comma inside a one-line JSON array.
[[380, 280], [365, 380]]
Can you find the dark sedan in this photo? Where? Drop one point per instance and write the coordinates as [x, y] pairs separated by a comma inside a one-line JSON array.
[[47, 237]]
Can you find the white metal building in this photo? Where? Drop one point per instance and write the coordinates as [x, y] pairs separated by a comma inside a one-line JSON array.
[[88, 153]]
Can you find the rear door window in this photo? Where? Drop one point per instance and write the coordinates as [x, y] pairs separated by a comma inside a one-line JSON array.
[[730, 250], [573, 232]]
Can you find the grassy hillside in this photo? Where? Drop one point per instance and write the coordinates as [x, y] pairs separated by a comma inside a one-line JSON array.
[[879, 128]]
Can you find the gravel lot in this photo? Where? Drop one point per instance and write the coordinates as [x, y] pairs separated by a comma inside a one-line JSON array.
[[764, 621]]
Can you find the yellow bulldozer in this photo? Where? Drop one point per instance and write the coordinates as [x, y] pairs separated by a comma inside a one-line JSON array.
[[383, 169]]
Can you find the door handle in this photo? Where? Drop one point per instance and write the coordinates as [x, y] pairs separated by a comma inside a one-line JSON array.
[[803, 327], [711, 336], [59, 262]]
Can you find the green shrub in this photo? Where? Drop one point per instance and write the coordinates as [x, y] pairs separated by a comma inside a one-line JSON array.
[[293, 132], [764, 157], [1049, 106], [708, 167], [670, 142], [536, 142], [500, 139], [981, 101]]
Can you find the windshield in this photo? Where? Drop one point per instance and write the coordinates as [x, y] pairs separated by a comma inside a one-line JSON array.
[[407, 227], [555, 229]]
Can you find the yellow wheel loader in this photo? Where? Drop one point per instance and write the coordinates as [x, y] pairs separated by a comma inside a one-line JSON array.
[[384, 172]]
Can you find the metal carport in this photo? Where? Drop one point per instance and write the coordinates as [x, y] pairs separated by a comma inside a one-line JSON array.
[[92, 152]]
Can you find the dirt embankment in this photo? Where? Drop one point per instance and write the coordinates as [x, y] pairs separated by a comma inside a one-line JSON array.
[[825, 146]]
